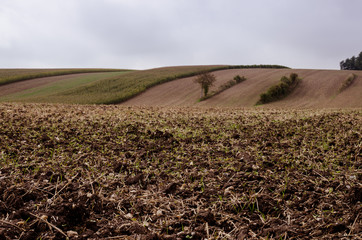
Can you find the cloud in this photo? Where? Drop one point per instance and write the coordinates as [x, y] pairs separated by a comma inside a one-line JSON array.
[[145, 34]]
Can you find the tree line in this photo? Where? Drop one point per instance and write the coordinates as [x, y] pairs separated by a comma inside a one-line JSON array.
[[353, 63]]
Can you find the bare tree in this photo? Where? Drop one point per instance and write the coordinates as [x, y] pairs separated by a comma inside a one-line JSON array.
[[206, 80]]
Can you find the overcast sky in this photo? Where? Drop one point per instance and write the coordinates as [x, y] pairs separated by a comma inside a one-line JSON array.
[[142, 34]]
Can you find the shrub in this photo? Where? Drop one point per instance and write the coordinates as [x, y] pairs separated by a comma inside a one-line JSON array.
[[281, 90], [239, 79], [347, 82], [227, 85]]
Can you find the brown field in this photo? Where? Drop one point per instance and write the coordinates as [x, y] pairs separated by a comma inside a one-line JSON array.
[[179, 168], [318, 89], [114, 172]]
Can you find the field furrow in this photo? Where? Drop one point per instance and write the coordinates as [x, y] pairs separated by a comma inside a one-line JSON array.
[[93, 172]]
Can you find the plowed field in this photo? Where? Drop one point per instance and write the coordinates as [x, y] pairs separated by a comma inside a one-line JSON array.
[[318, 89], [111, 172]]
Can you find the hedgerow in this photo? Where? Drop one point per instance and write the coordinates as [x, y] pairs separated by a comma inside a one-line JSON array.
[[348, 82], [236, 80], [281, 90]]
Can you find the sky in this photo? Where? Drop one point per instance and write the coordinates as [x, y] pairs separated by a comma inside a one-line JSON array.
[[143, 34]]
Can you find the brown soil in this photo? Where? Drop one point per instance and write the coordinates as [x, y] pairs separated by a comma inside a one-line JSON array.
[[37, 82], [111, 172], [319, 88], [181, 92]]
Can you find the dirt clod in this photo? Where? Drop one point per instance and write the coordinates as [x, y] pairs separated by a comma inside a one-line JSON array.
[[98, 172], [135, 179]]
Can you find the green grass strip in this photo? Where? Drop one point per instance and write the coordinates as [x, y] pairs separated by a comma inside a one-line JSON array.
[[45, 93], [15, 75]]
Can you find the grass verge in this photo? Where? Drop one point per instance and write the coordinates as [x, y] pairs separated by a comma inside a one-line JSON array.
[[44, 93], [15, 75], [348, 82], [237, 79]]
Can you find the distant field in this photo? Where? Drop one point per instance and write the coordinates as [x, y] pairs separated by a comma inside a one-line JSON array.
[[175, 86], [44, 89], [110, 89], [318, 89], [15, 75], [120, 88]]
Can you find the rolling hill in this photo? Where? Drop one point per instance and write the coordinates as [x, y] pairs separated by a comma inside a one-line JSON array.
[[45, 88], [174, 86], [318, 89], [105, 90]]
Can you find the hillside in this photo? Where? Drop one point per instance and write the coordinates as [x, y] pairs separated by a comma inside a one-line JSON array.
[[42, 89], [107, 90], [16, 87], [318, 88], [174, 86], [20, 74]]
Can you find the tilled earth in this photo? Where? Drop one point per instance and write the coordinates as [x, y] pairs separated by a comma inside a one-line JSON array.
[[110, 172]]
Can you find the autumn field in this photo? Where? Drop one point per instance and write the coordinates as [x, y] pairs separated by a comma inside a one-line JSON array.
[[107, 90], [104, 90], [125, 172], [317, 89], [176, 86]]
